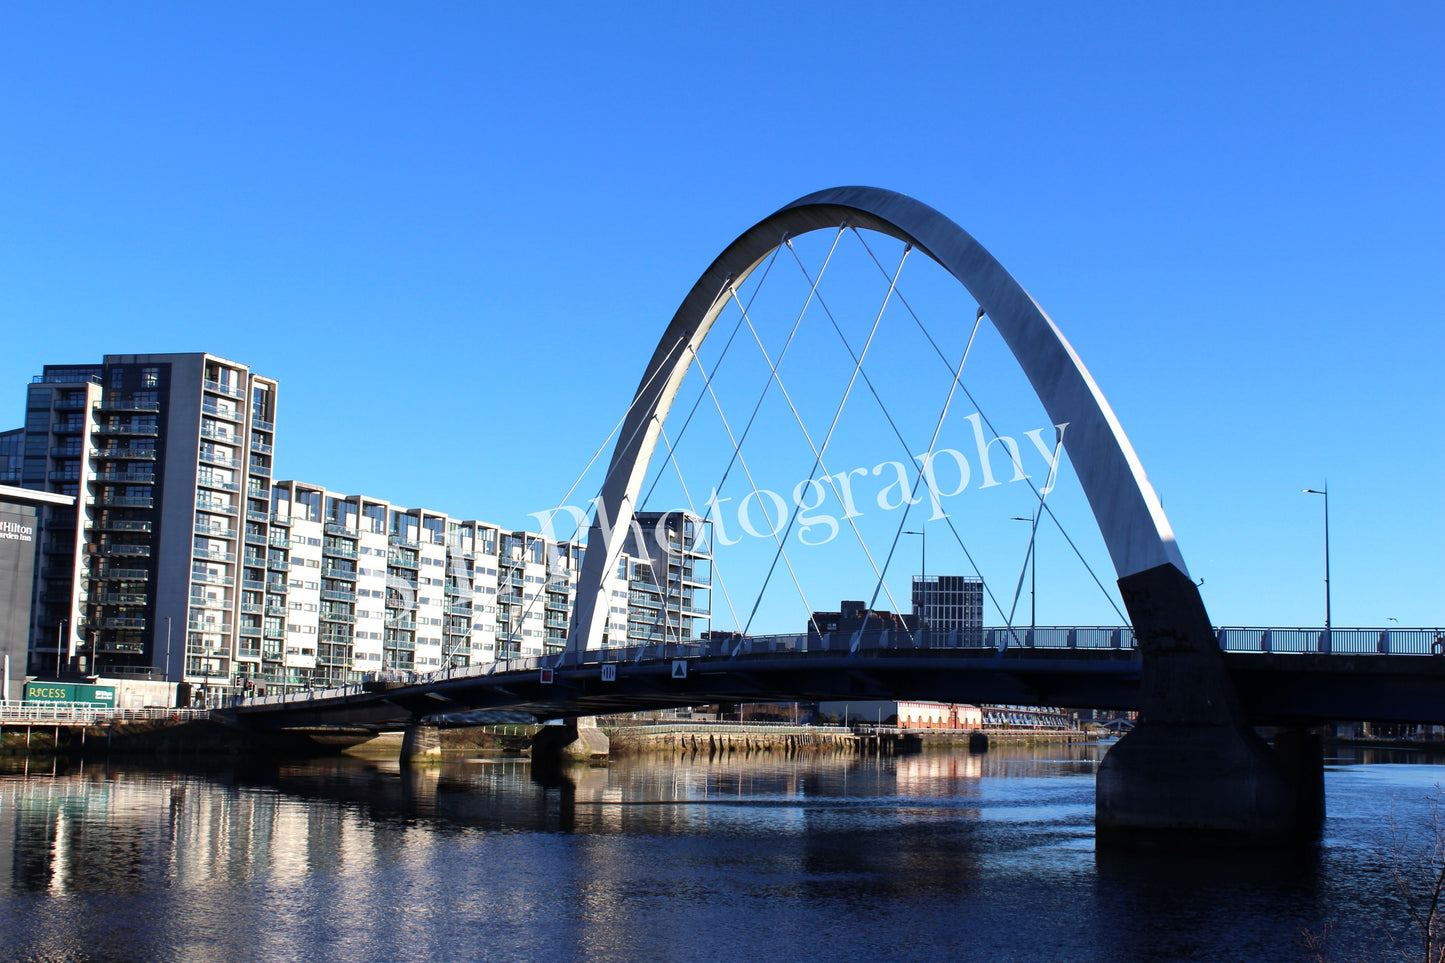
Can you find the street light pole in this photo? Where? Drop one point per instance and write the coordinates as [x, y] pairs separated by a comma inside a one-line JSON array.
[[1325, 491], [1033, 571], [922, 534]]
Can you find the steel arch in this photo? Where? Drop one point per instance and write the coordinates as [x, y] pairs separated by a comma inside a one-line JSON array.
[[1128, 512]]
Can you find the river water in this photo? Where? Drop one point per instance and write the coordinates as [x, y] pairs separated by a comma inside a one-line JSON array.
[[943, 855]]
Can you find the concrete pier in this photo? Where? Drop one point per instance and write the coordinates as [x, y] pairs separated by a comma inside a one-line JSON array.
[[1193, 771], [421, 745]]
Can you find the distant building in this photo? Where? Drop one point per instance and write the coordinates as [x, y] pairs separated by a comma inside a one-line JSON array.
[[946, 602], [853, 618], [905, 715], [22, 533]]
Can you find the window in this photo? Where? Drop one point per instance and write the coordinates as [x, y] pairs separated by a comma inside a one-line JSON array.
[[150, 377]]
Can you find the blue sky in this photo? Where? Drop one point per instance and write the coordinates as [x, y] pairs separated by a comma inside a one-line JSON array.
[[454, 233]]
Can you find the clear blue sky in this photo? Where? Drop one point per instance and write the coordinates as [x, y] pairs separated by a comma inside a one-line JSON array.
[[455, 231]]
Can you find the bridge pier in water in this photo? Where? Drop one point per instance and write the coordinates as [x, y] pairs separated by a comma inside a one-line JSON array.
[[421, 745], [1193, 770]]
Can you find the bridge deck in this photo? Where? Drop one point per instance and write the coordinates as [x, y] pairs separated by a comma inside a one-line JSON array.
[[1365, 681]]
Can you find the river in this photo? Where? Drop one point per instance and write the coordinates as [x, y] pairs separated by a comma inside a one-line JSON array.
[[943, 855]]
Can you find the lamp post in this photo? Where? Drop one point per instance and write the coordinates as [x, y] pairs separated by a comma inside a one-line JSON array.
[[59, 647], [922, 534], [1325, 491], [1033, 571]]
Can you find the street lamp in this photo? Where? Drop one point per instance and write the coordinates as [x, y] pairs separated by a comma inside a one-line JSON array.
[[922, 569], [1033, 571], [1325, 491]]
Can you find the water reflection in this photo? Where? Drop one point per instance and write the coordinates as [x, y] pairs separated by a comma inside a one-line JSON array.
[[971, 856]]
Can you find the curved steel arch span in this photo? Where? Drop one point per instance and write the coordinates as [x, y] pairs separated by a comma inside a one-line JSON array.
[[1128, 512]]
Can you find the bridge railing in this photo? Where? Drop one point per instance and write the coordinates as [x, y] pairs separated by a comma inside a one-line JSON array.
[[88, 714], [1409, 641]]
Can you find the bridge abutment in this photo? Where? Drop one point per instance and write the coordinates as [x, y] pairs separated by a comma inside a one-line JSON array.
[[1193, 771], [576, 740]]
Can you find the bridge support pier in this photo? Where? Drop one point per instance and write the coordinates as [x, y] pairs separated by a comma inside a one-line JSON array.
[[421, 745], [577, 740], [1193, 771]]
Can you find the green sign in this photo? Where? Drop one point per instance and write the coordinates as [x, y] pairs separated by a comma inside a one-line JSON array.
[[94, 695]]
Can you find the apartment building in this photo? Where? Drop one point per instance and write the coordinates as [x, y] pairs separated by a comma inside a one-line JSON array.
[[356, 584], [168, 456]]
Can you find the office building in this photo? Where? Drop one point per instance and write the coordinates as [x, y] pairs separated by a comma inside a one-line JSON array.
[[169, 459], [22, 532], [943, 603]]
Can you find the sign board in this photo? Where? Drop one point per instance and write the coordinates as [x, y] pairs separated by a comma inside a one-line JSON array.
[[679, 670], [547, 676], [93, 695], [609, 673]]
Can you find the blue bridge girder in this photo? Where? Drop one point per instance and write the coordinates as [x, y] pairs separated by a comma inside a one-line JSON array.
[[1348, 674]]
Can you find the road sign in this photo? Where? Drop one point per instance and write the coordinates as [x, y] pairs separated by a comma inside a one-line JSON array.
[[546, 676], [679, 670], [609, 673]]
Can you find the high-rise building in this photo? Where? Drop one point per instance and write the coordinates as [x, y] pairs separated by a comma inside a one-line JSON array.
[[169, 457], [943, 603], [670, 577]]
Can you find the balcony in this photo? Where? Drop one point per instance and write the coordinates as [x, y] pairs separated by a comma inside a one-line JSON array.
[[254, 516], [280, 588], [124, 501], [278, 564], [124, 454], [224, 628], [348, 575], [206, 578], [204, 528], [206, 481], [121, 525], [126, 405], [251, 608], [215, 411], [125, 477], [463, 610], [255, 538], [120, 623], [137, 430], [120, 598], [261, 425], [122, 574], [224, 388], [332, 528], [403, 542], [260, 447], [399, 561], [332, 595], [216, 508], [348, 618], [213, 457], [280, 519], [339, 550], [133, 551], [212, 555], [252, 585]]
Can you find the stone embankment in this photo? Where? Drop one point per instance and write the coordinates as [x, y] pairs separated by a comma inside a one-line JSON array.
[[725, 739]]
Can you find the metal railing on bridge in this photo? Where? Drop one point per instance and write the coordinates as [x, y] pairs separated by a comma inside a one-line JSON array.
[[87, 714]]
